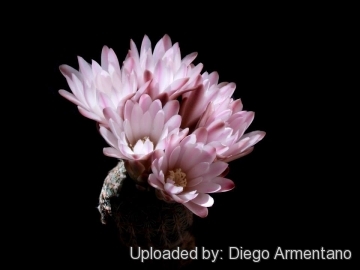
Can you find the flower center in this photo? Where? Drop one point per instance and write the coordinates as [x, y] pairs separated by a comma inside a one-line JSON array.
[[178, 177], [142, 139]]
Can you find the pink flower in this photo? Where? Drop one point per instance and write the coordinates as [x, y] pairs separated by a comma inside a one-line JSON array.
[[95, 87], [223, 126], [143, 129], [168, 74], [194, 103], [145, 110], [186, 172], [218, 120], [162, 74]]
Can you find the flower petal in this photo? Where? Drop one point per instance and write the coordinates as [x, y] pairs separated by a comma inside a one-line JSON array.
[[108, 136], [187, 196], [157, 127], [154, 182], [204, 200], [226, 184], [197, 209], [70, 97], [194, 182], [172, 189], [206, 187], [91, 115], [198, 170], [174, 156], [112, 152]]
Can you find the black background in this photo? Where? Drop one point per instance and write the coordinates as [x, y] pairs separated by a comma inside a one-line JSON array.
[[293, 67]]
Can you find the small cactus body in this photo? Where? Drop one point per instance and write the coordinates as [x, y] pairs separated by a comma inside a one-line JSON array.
[[110, 189]]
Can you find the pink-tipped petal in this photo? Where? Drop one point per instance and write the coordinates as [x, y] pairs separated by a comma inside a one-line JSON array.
[[113, 60], [108, 136], [201, 135], [173, 122], [145, 102], [128, 109], [206, 187], [154, 108], [70, 97], [236, 156], [111, 114], [85, 69], [171, 108], [167, 42], [176, 85], [197, 209], [134, 50], [236, 105], [189, 58], [67, 71], [90, 115], [104, 57], [104, 100], [111, 152], [226, 184], [154, 182], [145, 45]]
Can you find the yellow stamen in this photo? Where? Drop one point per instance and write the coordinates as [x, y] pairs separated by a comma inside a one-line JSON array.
[[178, 177]]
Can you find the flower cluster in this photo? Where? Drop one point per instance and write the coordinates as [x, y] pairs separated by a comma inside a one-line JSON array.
[[175, 127]]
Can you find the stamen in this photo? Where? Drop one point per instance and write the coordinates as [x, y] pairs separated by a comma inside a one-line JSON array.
[[178, 177]]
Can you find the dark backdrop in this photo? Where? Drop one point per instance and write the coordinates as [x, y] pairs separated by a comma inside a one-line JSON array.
[[295, 191]]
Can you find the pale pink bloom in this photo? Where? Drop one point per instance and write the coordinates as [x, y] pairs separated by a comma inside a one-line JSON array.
[[223, 125], [162, 74], [194, 103], [95, 87], [186, 172], [168, 74], [143, 128], [219, 120]]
